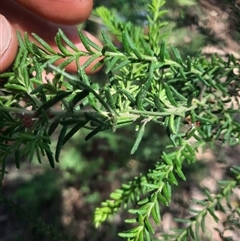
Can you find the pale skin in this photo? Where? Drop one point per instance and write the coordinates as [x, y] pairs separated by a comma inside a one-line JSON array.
[[43, 17]]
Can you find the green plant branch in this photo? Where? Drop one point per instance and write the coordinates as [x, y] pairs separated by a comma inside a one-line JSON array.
[[147, 81]]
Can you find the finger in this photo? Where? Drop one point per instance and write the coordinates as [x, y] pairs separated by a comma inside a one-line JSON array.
[[26, 21], [8, 44], [68, 12]]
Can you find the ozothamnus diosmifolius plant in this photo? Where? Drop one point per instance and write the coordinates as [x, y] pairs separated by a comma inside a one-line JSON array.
[[149, 81]]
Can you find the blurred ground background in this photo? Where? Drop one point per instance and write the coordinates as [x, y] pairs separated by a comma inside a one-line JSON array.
[[67, 196]]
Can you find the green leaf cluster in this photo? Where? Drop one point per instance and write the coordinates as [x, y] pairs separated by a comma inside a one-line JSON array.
[[194, 99]]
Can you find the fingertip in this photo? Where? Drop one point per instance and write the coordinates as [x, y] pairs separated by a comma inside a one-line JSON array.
[[69, 12], [72, 67], [8, 44]]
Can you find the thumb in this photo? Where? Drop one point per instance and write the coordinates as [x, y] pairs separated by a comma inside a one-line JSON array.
[[8, 44]]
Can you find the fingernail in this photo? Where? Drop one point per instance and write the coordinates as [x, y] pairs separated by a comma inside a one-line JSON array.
[[8, 44], [6, 35]]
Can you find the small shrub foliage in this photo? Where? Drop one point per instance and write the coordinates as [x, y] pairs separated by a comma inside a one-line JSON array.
[[148, 81]]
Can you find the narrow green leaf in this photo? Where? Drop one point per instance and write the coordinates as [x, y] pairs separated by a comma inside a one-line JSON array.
[[179, 231], [50, 157], [182, 73], [196, 136], [97, 65], [172, 178], [15, 87], [128, 95], [129, 233], [208, 194], [190, 150], [44, 116], [3, 167], [109, 98], [163, 200], [39, 90], [189, 63], [120, 65], [199, 202], [116, 196], [180, 173], [189, 158], [203, 222], [32, 149], [177, 94], [6, 75], [125, 43], [134, 211], [145, 200], [66, 62], [94, 119], [235, 169], [181, 220], [144, 89], [21, 43], [141, 219], [108, 42], [191, 233], [93, 133], [177, 55], [45, 45], [60, 142], [140, 235], [149, 226], [167, 159], [162, 50], [171, 125], [88, 43], [132, 220], [58, 97], [147, 235], [28, 44], [158, 104], [17, 158], [170, 95], [133, 47], [167, 191], [38, 154], [111, 63], [60, 45], [156, 213], [7, 138], [204, 81], [178, 122], [68, 41], [192, 210], [190, 98], [203, 120], [197, 230], [92, 58], [139, 138], [212, 212], [146, 46], [78, 97], [74, 130], [123, 124]]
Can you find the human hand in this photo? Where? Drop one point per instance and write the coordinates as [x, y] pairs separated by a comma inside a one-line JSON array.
[[43, 17]]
